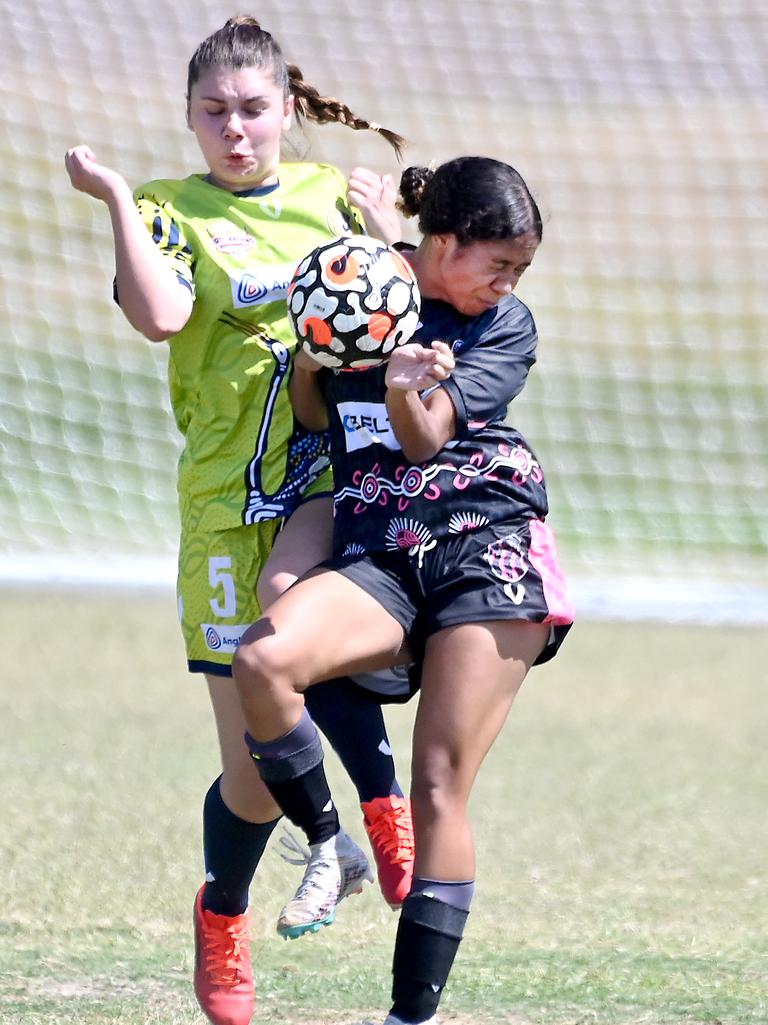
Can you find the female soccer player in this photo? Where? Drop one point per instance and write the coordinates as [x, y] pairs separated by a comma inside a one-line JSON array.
[[441, 552], [204, 263]]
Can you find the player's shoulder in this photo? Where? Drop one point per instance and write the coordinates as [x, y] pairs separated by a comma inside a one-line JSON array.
[[309, 171], [512, 317], [513, 310], [170, 190], [507, 325]]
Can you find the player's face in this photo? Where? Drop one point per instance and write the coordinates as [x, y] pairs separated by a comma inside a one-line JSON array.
[[474, 277], [238, 117]]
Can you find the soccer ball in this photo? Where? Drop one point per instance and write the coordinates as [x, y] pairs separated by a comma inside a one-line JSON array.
[[351, 301]]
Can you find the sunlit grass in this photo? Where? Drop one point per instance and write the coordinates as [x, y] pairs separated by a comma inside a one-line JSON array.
[[620, 822]]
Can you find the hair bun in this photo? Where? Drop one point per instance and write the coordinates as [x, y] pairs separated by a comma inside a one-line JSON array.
[[243, 19], [413, 182]]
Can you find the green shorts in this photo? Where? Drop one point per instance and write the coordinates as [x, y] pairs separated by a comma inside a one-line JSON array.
[[216, 589]]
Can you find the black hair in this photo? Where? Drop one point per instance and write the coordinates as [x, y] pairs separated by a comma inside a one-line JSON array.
[[477, 199]]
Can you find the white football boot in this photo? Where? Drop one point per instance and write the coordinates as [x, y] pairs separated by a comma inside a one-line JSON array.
[[335, 869]]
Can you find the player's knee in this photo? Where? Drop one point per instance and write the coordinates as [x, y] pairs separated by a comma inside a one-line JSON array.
[[438, 786], [263, 668]]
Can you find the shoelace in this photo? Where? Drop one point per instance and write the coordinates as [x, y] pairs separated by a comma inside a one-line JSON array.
[[289, 841], [223, 950], [303, 857], [392, 829]]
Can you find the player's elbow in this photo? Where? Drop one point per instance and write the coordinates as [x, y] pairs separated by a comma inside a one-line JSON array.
[[159, 327], [158, 316], [419, 446], [420, 451], [156, 334]]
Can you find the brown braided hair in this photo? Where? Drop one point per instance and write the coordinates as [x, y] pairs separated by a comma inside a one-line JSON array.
[[243, 43], [324, 109]]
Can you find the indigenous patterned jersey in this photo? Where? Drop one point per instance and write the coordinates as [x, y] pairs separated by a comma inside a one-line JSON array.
[[244, 458], [486, 474]]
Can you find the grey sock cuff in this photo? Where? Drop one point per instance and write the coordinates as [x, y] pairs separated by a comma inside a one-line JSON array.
[[279, 770], [289, 756], [458, 894]]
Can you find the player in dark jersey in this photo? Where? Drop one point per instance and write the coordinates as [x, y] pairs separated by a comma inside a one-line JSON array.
[[442, 552], [203, 263]]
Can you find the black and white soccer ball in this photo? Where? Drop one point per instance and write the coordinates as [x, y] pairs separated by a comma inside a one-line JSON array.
[[352, 300]]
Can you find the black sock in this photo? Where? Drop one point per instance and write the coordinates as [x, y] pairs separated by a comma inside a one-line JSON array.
[[354, 726], [428, 937], [232, 849], [292, 770]]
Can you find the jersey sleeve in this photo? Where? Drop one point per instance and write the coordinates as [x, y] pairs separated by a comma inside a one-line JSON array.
[[168, 237], [355, 217], [350, 219], [492, 367]]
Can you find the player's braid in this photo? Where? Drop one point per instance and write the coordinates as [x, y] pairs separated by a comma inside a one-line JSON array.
[[325, 109]]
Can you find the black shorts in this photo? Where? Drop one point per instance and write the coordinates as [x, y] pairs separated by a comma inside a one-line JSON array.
[[504, 571]]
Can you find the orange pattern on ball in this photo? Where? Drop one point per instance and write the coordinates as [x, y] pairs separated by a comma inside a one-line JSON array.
[[379, 326], [317, 331]]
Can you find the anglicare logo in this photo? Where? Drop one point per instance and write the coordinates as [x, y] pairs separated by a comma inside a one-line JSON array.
[[266, 285], [222, 638], [212, 639]]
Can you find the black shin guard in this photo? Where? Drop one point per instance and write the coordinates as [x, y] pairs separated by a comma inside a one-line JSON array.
[[296, 780], [306, 801], [428, 937]]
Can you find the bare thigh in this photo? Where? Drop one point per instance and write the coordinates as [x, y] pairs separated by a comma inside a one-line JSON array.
[[324, 626], [305, 540]]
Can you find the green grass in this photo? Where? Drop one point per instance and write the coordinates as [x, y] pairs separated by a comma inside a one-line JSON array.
[[620, 821]]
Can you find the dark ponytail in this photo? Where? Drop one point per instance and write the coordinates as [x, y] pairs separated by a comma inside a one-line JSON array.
[[477, 199]]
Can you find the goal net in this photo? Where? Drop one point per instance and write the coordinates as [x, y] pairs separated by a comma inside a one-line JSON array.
[[643, 132]]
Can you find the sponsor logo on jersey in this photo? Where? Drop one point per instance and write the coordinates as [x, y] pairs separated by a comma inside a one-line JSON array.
[[222, 638], [367, 423], [265, 285], [234, 245], [230, 239]]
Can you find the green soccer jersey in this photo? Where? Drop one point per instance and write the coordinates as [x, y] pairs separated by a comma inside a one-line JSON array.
[[245, 459]]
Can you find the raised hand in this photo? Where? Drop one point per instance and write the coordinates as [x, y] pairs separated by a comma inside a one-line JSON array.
[[413, 367], [91, 177], [375, 197]]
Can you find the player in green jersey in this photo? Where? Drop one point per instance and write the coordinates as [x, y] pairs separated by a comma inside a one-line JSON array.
[[204, 263]]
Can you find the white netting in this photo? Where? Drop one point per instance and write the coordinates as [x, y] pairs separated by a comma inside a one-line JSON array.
[[643, 130]]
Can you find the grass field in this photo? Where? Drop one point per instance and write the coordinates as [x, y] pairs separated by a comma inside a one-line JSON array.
[[621, 824]]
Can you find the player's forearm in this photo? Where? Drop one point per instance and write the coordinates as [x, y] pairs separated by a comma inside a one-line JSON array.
[[420, 432], [307, 400], [150, 295]]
